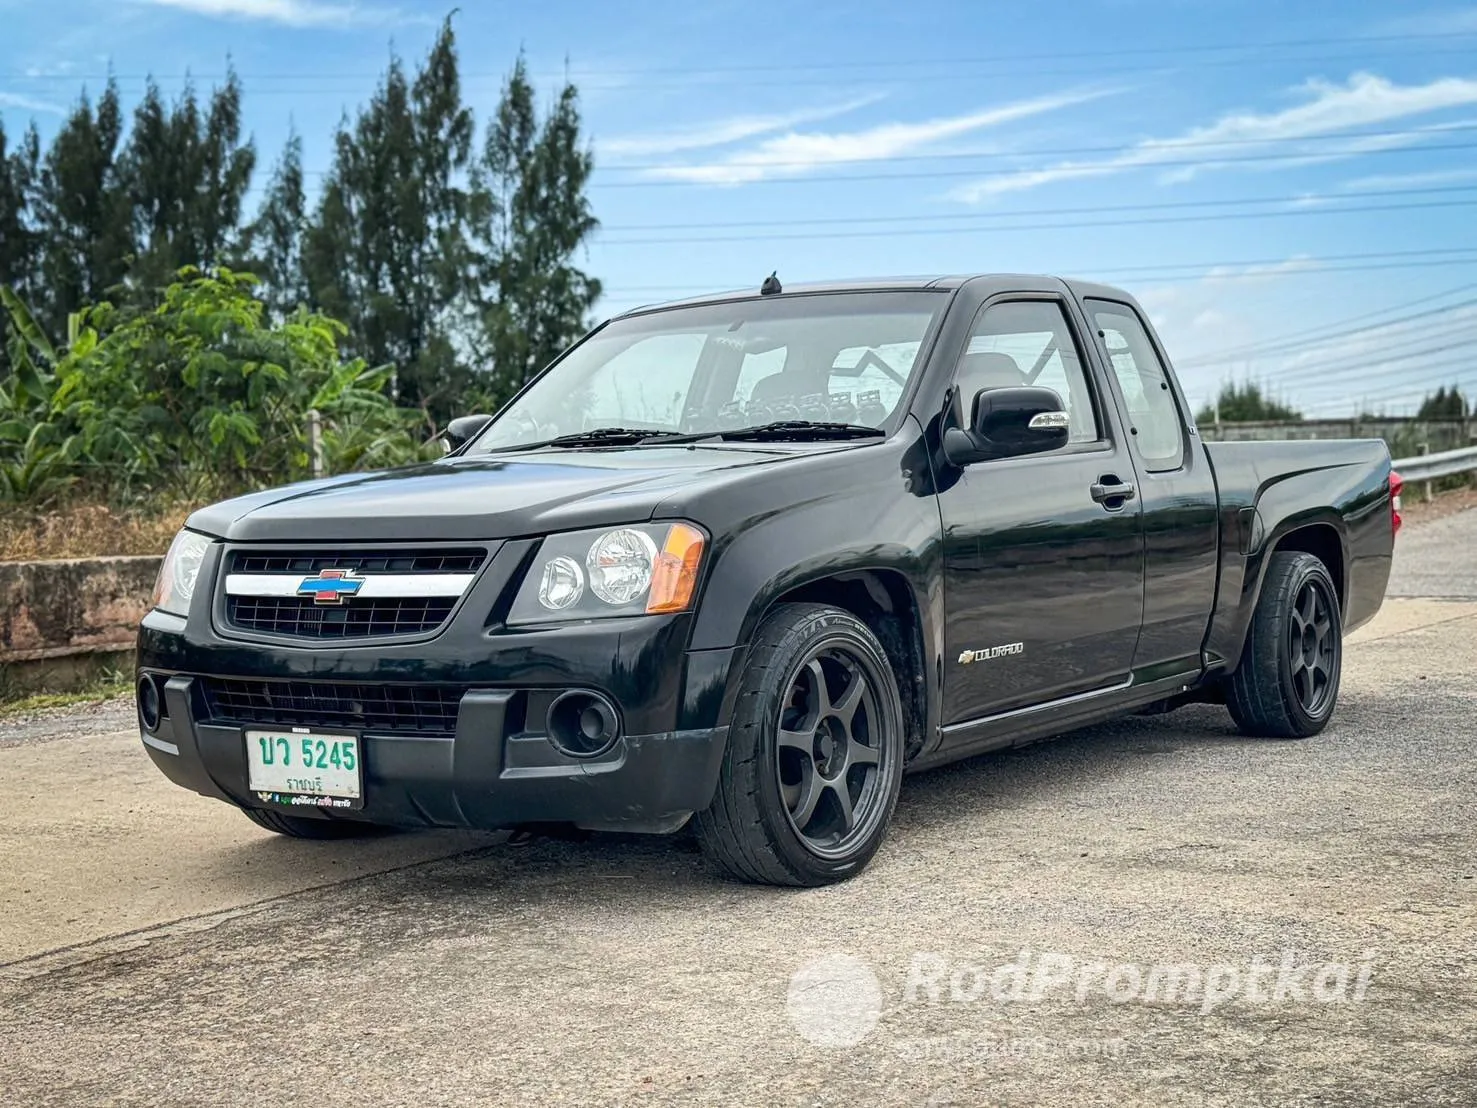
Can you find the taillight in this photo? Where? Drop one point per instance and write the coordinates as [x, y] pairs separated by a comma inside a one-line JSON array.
[[1397, 485]]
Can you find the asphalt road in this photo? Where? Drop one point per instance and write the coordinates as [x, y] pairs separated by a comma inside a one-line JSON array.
[[157, 949]]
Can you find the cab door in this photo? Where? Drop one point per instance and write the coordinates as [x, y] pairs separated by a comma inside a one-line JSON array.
[[1043, 554], [1176, 490]]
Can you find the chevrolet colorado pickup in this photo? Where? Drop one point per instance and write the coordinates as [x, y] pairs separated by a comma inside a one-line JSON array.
[[747, 559]]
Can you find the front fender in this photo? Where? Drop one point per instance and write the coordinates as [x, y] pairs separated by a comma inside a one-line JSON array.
[[848, 529], [833, 518]]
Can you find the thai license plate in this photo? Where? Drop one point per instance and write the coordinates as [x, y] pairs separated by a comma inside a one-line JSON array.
[[303, 768]]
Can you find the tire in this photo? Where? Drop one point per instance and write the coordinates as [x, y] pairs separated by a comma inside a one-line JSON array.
[[1286, 685], [802, 732], [300, 827]]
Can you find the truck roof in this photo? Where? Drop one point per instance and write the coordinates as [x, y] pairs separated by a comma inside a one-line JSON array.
[[898, 284]]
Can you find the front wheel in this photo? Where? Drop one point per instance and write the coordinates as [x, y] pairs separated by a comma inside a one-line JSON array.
[[1287, 682], [815, 753]]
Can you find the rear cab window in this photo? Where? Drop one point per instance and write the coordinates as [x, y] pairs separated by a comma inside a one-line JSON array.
[[1158, 428]]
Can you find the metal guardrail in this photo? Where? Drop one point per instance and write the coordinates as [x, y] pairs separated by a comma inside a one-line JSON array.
[[1428, 467]]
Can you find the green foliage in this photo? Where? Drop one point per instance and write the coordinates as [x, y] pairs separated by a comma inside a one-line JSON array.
[[82, 212], [272, 244], [197, 395], [1245, 403], [447, 258], [1444, 403], [19, 241], [530, 215], [185, 173], [387, 250]]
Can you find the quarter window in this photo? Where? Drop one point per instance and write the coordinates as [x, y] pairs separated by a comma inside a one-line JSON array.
[[1144, 382]]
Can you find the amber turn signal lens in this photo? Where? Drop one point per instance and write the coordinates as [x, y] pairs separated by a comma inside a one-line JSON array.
[[674, 575]]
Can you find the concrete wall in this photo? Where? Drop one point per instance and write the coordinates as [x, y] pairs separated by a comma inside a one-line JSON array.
[[62, 609]]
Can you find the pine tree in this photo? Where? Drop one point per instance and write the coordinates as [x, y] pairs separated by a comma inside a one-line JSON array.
[[272, 244], [531, 215], [186, 175], [1443, 404], [19, 242], [386, 250], [82, 212], [1246, 403]]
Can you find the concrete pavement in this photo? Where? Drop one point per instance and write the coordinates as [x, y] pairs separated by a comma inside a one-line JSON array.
[[158, 949]]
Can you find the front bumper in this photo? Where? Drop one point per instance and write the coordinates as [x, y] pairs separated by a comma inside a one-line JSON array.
[[484, 776], [492, 767]]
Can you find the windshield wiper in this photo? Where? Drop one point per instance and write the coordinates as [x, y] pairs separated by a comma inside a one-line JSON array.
[[784, 430], [800, 430], [598, 436]]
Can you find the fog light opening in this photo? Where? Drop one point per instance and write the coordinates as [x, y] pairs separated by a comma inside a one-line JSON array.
[[582, 724], [148, 703]]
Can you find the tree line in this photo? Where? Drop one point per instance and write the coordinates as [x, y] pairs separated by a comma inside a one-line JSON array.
[[449, 252], [1247, 403]]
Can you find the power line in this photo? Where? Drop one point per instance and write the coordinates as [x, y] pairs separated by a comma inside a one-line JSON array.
[[1278, 342], [1095, 209], [998, 155], [1304, 373], [1346, 336], [985, 173], [1162, 274], [1067, 151], [869, 68], [1435, 374], [975, 230]]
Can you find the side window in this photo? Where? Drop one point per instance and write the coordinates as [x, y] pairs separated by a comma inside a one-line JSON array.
[[1028, 342], [1144, 382]]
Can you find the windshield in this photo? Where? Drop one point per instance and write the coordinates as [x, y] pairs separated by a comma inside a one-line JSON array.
[[832, 358]]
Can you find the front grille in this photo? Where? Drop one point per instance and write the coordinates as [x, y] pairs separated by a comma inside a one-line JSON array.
[[361, 561], [401, 709], [393, 604], [301, 617]]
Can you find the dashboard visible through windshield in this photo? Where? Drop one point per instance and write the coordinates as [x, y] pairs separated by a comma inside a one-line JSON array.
[[830, 358]]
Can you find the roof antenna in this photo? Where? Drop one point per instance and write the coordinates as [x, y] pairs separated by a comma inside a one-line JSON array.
[[771, 285]]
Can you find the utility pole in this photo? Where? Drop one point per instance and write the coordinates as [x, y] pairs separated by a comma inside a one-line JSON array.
[[315, 442]]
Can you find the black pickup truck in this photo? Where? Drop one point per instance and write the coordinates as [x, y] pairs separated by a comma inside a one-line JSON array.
[[747, 559]]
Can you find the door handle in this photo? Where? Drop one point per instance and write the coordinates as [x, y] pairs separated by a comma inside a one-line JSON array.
[[1111, 493]]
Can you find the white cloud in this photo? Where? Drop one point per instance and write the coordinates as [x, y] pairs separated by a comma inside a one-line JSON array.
[[30, 104], [1329, 109], [292, 13], [797, 153], [722, 132]]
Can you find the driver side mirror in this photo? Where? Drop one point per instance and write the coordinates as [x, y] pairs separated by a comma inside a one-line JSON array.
[[462, 430], [1009, 422]]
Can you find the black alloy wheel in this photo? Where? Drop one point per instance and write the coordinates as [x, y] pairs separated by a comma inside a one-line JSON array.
[[1287, 682], [830, 751], [814, 759]]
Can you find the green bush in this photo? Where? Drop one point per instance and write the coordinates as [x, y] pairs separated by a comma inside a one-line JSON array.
[[197, 396]]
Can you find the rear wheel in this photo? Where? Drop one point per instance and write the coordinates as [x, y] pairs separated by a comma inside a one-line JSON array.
[[300, 827], [1287, 683], [815, 753]]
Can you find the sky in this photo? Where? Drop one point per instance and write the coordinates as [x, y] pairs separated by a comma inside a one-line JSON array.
[[1289, 188]]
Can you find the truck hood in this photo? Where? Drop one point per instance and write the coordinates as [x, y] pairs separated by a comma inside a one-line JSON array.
[[478, 497]]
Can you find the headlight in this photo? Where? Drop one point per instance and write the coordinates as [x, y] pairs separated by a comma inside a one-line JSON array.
[[177, 576], [620, 571], [621, 563]]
